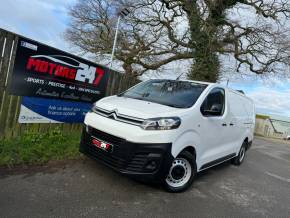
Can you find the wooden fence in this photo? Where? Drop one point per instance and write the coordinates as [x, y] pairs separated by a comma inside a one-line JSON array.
[[10, 104]]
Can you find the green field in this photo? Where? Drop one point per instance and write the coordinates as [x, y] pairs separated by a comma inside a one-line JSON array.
[[39, 148]]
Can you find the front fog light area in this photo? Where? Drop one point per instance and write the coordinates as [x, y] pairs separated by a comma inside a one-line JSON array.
[[167, 123], [151, 165]]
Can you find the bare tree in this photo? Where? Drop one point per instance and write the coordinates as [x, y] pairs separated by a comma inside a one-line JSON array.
[[140, 47], [158, 32], [256, 41]]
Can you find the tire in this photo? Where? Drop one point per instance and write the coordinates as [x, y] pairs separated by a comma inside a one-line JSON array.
[[238, 160], [182, 173]]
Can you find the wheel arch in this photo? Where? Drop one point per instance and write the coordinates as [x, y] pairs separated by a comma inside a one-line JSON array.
[[188, 141], [191, 149], [246, 140]]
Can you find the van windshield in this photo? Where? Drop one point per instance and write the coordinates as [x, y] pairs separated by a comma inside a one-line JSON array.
[[179, 94]]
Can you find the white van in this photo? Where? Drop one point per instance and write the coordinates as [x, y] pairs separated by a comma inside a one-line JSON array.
[[169, 130]]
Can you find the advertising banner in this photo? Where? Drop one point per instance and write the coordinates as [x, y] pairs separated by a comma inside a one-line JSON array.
[[43, 71], [41, 110]]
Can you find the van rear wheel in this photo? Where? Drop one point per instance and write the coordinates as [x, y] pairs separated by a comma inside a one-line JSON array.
[[238, 160], [181, 173]]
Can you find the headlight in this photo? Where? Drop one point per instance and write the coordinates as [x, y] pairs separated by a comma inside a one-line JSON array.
[[165, 123]]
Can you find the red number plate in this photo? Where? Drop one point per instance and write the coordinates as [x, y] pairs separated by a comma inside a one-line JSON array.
[[102, 145]]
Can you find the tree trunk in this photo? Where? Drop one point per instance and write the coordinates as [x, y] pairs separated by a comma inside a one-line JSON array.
[[130, 74], [206, 64], [205, 67]]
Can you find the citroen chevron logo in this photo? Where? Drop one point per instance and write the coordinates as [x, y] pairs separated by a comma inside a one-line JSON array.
[[114, 114]]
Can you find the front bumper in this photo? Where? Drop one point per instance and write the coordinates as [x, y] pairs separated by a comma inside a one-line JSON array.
[[142, 161]]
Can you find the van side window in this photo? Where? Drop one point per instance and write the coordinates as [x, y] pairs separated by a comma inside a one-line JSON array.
[[214, 104]]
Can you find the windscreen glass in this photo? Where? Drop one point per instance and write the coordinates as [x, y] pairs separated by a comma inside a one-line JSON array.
[[179, 94]]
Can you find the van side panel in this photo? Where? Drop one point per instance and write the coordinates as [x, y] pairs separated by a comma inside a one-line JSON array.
[[213, 132], [250, 107], [243, 118]]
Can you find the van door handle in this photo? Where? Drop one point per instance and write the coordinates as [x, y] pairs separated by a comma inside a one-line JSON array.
[[224, 124], [231, 124]]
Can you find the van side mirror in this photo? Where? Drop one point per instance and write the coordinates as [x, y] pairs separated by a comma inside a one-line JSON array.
[[215, 110]]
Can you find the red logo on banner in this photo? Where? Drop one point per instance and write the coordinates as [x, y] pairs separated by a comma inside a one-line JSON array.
[[54, 66]]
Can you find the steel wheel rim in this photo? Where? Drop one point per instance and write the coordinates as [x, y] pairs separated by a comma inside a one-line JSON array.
[[180, 163]]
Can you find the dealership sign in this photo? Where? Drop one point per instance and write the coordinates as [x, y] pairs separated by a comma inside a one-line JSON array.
[[42, 110], [43, 71]]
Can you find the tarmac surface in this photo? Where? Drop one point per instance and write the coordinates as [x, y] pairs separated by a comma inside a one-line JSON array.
[[258, 188]]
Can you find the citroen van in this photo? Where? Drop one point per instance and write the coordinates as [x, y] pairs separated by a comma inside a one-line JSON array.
[[167, 131]]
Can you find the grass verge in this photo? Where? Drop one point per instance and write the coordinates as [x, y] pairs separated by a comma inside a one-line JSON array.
[[39, 148]]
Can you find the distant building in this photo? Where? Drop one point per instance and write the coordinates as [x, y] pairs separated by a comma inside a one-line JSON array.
[[272, 126]]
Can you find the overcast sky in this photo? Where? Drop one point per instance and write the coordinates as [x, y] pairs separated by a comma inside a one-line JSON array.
[[46, 20]]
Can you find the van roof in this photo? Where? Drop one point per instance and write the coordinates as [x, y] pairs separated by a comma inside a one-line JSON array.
[[240, 94], [200, 82], [187, 80]]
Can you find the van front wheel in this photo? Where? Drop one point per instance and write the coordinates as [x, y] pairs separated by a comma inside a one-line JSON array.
[[181, 173]]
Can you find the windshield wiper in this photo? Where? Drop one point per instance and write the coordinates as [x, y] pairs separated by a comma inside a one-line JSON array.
[[174, 105], [150, 100], [169, 105], [138, 98]]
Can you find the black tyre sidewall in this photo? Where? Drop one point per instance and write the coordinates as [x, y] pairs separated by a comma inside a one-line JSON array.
[[191, 159], [236, 160]]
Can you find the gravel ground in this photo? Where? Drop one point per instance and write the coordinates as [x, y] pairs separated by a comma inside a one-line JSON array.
[[258, 188]]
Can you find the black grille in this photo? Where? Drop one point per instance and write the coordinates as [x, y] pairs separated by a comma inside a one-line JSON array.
[[106, 137], [136, 164], [106, 157], [125, 156], [118, 158]]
